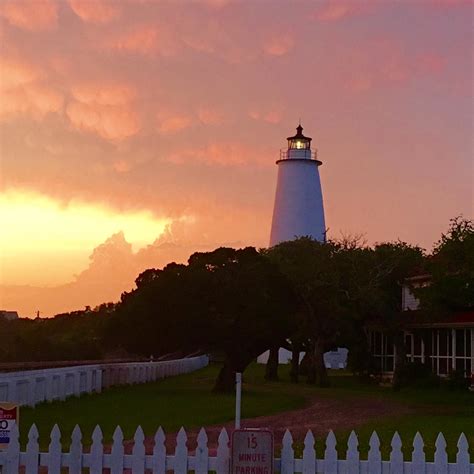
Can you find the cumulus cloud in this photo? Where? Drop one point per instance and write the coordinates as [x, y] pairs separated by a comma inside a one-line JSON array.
[[38, 15], [96, 11], [105, 109], [114, 266]]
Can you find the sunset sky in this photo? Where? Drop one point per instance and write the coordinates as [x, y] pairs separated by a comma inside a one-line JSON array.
[[134, 133]]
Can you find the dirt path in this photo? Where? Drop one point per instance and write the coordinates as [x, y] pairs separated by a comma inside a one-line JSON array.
[[320, 416]]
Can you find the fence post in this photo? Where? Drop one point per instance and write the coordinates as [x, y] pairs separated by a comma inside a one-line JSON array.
[[418, 457], [330, 454], [54, 451], [159, 453], [440, 457], [462, 456], [396, 455], [202, 454], [97, 452], [375, 457], [223, 454], [352, 455], [309, 454], [138, 452], [181, 453], [75, 451], [32, 451], [116, 455], [287, 454]]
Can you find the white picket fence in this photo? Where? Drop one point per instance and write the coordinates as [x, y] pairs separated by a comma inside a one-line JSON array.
[[31, 387], [182, 461]]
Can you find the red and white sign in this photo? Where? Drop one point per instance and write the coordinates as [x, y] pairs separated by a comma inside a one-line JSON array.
[[9, 415], [252, 452]]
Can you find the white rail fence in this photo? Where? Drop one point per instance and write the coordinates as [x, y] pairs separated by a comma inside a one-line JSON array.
[[201, 462], [35, 386]]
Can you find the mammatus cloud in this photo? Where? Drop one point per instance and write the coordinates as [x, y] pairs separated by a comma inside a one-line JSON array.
[[24, 91], [279, 45], [222, 154], [105, 109], [271, 115], [335, 10], [39, 15], [172, 123], [388, 64], [96, 11], [145, 40]]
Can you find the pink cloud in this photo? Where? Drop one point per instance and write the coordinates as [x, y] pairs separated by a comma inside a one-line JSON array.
[[122, 166], [96, 11], [146, 40], [173, 123], [271, 115], [431, 63], [335, 10], [34, 100], [24, 92], [109, 122], [16, 72], [105, 109], [449, 3], [38, 15], [279, 45], [103, 94], [386, 63], [222, 154], [209, 116]]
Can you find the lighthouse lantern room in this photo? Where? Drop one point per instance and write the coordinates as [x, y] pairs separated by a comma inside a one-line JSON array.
[[298, 209]]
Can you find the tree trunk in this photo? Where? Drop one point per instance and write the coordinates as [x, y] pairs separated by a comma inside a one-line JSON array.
[[321, 379], [400, 360], [271, 369], [225, 381], [233, 363], [295, 365]]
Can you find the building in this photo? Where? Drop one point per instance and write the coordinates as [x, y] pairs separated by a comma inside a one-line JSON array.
[[446, 345], [298, 210], [9, 315]]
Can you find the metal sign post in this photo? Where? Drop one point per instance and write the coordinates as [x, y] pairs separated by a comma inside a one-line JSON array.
[[238, 398]]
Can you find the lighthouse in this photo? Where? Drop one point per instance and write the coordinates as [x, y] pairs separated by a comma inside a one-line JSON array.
[[298, 209]]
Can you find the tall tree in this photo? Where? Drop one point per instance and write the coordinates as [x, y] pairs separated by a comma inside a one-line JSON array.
[[394, 263], [451, 269], [312, 268], [234, 302]]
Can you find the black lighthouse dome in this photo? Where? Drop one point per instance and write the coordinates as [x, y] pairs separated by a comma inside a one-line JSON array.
[[299, 141]]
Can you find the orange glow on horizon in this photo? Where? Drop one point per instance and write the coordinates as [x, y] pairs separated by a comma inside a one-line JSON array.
[[41, 231]]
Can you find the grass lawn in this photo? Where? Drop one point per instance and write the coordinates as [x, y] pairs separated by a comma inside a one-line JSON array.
[[187, 401]]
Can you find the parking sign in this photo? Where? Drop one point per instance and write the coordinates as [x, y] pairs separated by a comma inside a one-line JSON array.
[[9, 415], [252, 452]]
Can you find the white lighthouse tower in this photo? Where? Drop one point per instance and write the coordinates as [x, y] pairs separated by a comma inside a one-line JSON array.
[[298, 210]]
